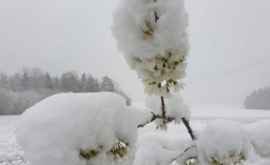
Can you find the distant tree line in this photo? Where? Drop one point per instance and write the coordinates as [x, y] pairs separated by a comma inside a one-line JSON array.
[[20, 91], [258, 99]]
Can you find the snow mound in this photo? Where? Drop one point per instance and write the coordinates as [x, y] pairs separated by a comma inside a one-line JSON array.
[[225, 142], [159, 147], [56, 129]]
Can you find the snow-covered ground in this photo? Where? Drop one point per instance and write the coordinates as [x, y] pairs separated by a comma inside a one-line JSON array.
[[212, 112], [11, 154]]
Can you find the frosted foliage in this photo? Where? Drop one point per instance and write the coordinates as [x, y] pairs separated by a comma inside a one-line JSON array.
[[175, 106], [152, 36], [224, 142], [54, 130]]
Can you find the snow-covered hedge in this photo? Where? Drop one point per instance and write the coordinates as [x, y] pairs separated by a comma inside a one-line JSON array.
[[80, 129]]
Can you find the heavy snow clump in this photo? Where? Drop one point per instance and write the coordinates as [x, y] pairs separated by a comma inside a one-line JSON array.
[[81, 129], [223, 143], [152, 36]]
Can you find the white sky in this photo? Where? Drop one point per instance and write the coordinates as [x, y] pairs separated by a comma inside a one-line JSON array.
[[230, 52]]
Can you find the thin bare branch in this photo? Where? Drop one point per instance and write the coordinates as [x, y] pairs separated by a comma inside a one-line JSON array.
[[163, 110], [189, 129], [185, 152]]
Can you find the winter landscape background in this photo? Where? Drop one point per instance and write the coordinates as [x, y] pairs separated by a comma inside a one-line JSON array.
[[228, 59], [50, 47], [22, 90]]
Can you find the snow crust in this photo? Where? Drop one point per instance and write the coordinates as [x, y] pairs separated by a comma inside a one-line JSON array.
[[54, 130]]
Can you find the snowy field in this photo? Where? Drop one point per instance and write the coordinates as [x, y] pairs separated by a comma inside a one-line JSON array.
[[11, 154]]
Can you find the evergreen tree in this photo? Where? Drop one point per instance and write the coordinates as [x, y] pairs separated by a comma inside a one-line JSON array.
[[92, 84], [21, 90], [258, 99], [4, 81], [70, 82], [48, 81], [83, 83], [107, 84], [25, 81]]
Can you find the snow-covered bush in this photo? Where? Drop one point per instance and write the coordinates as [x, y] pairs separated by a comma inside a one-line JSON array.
[[80, 129], [260, 137], [223, 143]]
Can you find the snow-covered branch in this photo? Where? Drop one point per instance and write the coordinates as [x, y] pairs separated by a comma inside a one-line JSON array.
[[155, 117], [152, 36]]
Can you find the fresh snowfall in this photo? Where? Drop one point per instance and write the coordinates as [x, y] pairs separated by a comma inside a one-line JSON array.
[[55, 130], [104, 128]]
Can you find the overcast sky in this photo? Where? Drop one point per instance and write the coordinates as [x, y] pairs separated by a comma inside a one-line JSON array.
[[229, 57]]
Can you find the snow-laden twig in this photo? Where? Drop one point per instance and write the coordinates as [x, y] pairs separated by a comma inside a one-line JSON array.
[[155, 117], [187, 154]]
